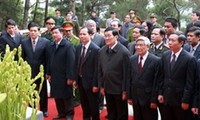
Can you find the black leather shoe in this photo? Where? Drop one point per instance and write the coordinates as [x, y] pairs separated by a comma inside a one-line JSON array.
[[45, 114], [58, 117]]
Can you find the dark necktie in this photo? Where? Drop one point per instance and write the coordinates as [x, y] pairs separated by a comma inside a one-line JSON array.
[[140, 65], [192, 51], [57, 45], [33, 45], [173, 61], [155, 49], [81, 60]]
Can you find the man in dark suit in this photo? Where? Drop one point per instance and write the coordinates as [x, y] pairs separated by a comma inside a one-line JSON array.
[[178, 82], [97, 38], [86, 75], [113, 74], [34, 52], [193, 46], [10, 37], [60, 71], [115, 24], [142, 87], [195, 16], [170, 26], [196, 106], [138, 31]]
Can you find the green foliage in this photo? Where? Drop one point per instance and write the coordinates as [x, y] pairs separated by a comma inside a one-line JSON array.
[[62, 5], [11, 9], [122, 8], [39, 16], [16, 82], [2, 97], [166, 8]]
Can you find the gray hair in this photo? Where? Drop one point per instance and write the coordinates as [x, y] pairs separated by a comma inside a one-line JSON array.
[[145, 39]]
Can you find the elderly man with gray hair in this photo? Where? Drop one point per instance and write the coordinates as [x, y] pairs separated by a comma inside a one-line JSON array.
[[97, 38], [142, 86]]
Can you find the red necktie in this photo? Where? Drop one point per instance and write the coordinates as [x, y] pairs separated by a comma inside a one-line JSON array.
[[140, 65]]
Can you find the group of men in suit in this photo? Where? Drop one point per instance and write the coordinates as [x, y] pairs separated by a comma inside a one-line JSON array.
[[157, 76]]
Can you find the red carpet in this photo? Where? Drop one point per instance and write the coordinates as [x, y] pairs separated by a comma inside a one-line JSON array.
[[78, 112]]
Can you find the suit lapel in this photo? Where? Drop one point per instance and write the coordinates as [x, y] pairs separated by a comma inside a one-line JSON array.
[[62, 43], [134, 66], [168, 61], [29, 42], [178, 61], [38, 44], [146, 63], [88, 52], [10, 39], [197, 52], [135, 62], [17, 39]]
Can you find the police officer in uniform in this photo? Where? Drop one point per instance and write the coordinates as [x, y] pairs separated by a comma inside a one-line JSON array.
[[158, 47], [68, 33]]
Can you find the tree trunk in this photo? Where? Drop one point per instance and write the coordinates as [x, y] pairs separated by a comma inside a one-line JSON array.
[[46, 9], [178, 14], [74, 6], [26, 11], [35, 11]]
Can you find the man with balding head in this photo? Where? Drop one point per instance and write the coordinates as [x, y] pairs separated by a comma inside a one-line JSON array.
[[95, 37], [117, 25], [142, 87]]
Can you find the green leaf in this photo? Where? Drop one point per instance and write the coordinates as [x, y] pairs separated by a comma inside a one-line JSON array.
[[2, 97]]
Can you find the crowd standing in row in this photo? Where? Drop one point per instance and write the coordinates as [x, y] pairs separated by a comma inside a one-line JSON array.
[[153, 68]]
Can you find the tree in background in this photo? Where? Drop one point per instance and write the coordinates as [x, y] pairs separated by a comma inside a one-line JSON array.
[[10, 9], [172, 8], [26, 12], [19, 11], [122, 8], [37, 13]]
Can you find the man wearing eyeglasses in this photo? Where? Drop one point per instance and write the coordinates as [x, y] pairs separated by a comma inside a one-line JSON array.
[[49, 23], [68, 33]]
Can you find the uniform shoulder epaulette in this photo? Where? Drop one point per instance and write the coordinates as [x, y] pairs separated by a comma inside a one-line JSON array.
[[165, 45], [76, 37]]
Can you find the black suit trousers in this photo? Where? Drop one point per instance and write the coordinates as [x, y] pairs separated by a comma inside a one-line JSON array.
[[44, 97], [65, 107], [175, 113], [89, 102], [116, 107], [144, 112]]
